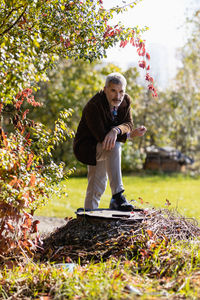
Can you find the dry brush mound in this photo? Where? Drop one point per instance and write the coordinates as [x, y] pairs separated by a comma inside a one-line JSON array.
[[82, 241]]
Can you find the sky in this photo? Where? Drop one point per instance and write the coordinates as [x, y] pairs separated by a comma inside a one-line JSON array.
[[165, 19]]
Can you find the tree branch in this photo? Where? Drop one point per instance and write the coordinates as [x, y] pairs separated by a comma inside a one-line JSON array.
[[8, 15], [125, 5], [9, 28]]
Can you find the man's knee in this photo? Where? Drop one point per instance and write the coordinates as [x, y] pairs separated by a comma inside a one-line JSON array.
[[116, 150], [105, 154]]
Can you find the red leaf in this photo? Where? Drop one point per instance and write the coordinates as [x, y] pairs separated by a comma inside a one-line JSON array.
[[167, 202], [33, 179], [150, 233], [27, 136], [148, 56], [132, 41], [13, 181], [30, 160], [148, 77], [142, 64], [141, 51], [4, 138], [26, 195], [25, 113], [10, 227], [34, 226], [28, 222], [1, 107], [141, 200], [123, 44]]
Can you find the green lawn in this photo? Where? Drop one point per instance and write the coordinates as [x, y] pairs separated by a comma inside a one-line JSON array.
[[183, 192]]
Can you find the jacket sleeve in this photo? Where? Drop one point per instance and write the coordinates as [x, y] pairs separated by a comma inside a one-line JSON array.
[[126, 120], [127, 125]]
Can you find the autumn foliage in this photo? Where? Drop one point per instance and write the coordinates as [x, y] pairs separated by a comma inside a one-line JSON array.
[[139, 44], [21, 184], [25, 176]]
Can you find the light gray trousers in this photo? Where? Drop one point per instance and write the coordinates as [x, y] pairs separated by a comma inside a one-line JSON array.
[[108, 166]]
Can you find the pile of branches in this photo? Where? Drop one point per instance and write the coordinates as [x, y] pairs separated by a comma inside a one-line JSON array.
[[169, 224], [82, 241]]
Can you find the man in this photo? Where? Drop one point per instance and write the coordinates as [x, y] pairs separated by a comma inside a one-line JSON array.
[[106, 122]]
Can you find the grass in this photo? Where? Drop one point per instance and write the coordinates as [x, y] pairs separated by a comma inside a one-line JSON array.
[[115, 279], [183, 192]]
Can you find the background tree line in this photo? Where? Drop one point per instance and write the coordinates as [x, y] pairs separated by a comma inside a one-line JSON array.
[[172, 119]]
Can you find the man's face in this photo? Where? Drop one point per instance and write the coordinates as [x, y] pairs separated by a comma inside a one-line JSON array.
[[114, 93]]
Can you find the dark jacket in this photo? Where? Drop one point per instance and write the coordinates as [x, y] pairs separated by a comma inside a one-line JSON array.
[[96, 122]]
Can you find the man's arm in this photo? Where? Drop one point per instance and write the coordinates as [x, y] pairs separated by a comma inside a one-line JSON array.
[[110, 139], [127, 124]]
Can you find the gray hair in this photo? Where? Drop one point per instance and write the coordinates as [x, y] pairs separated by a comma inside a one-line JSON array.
[[115, 78]]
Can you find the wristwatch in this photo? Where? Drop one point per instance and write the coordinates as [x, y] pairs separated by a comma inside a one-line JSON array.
[[119, 130]]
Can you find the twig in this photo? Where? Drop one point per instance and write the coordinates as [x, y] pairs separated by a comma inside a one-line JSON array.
[[8, 15], [125, 5], [9, 28]]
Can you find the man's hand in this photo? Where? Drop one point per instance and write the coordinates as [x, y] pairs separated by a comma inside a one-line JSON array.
[[140, 131], [110, 139]]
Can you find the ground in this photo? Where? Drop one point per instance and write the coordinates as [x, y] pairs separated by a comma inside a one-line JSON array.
[[49, 224]]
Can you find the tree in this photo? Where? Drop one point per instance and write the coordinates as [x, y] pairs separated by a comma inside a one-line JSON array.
[[33, 34], [185, 96]]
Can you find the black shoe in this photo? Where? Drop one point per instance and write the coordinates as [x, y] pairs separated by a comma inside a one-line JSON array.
[[119, 202]]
